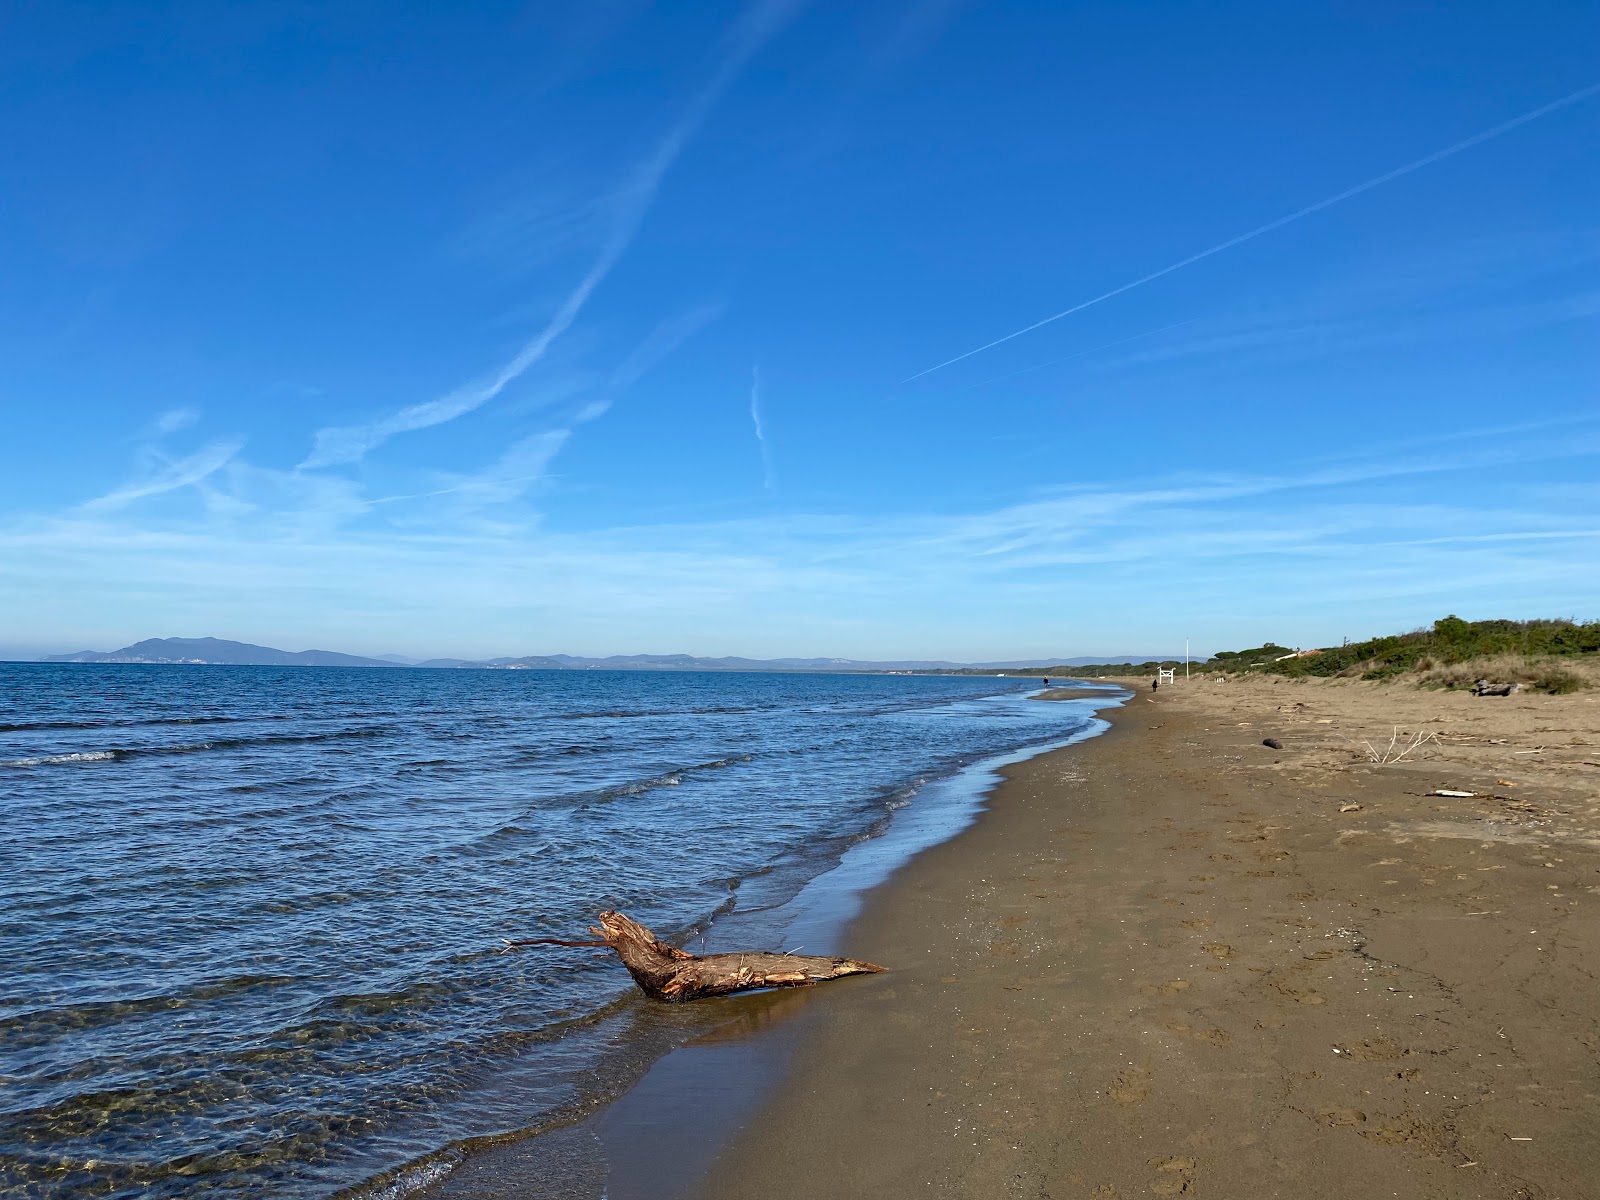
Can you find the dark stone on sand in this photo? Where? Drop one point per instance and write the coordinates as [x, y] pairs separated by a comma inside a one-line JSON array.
[[1273, 742]]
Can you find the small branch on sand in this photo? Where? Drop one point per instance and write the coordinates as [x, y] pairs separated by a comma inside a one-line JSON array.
[[1397, 750], [667, 973]]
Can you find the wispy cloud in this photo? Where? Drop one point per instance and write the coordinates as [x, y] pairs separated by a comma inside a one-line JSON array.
[[769, 477], [170, 476], [523, 464], [1313, 549], [1475, 291], [1300, 340], [526, 461], [630, 204], [175, 419], [1299, 214], [667, 336]]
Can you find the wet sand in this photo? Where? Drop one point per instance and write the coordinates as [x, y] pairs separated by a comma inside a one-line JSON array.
[[1173, 961]]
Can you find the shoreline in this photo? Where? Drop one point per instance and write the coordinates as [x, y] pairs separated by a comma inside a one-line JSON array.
[[679, 1112], [1178, 962]]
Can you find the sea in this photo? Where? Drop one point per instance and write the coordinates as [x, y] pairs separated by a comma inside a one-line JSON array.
[[253, 919]]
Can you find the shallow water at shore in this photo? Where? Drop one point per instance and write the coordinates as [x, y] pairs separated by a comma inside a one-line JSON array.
[[253, 912], [658, 1140]]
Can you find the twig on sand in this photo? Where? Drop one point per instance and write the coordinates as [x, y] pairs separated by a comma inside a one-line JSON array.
[[1397, 750]]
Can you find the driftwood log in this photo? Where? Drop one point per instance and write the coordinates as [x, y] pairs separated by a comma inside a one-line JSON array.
[[1484, 688], [667, 973]]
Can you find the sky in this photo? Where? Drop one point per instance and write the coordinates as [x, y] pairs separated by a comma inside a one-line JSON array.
[[913, 329]]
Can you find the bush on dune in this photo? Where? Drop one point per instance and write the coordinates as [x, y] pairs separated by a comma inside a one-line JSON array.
[[1552, 656], [1456, 653], [1555, 676]]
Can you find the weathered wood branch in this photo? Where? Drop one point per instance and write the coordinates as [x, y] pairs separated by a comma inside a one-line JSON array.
[[510, 945], [1484, 688], [667, 973]]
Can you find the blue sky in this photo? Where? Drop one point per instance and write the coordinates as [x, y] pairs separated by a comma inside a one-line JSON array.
[[609, 327]]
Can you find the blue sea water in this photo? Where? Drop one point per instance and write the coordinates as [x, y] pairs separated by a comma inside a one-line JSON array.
[[250, 917]]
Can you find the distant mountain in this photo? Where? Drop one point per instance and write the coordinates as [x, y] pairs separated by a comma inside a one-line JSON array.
[[1102, 660], [532, 662], [679, 662], [216, 650], [690, 662], [220, 652]]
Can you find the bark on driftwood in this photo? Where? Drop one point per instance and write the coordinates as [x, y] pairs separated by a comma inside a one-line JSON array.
[[665, 972]]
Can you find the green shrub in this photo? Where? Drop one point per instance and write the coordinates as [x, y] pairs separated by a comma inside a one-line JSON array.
[[1558, 682], [1450, 641]]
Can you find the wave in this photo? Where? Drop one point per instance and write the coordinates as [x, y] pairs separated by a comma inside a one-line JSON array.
[[634, 787], [670, 778], [34, 1026], [623, 714], [126, 752], [37, 726], [50, 760], [617, 713]]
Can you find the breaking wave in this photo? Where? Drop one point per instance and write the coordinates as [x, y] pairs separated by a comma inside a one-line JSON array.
[[125, 752]]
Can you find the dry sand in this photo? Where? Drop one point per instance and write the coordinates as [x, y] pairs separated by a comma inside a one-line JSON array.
[[1173, 961]]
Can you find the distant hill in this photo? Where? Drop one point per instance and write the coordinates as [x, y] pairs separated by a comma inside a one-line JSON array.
[[690, 662], [219, 652]]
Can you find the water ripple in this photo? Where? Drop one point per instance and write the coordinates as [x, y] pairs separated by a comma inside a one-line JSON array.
[[264, 962]]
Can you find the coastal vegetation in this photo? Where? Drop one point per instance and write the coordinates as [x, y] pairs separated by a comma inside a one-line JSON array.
[[1547, 655], [1454, 653]]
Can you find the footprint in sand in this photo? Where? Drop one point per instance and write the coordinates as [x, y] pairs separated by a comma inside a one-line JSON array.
[[1380, 1049], [1218, 949], [1398, 1131], [1341, 1118], [1170, 988], [1297, 994], [1217, 1037], [1176, 1176], [1198, 923], [1130, 1086]]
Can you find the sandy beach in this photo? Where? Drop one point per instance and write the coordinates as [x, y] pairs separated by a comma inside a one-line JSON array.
[[1174, 961]]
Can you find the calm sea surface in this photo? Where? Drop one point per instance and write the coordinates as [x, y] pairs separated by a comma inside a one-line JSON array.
[[249, 916]]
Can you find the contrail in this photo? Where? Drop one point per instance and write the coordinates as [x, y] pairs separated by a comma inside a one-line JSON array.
[[769, 478], [344, 444], [1329, 202], [1077, 354]]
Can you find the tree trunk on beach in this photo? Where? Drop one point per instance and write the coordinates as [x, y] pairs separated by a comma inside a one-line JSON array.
[[667, 973]]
